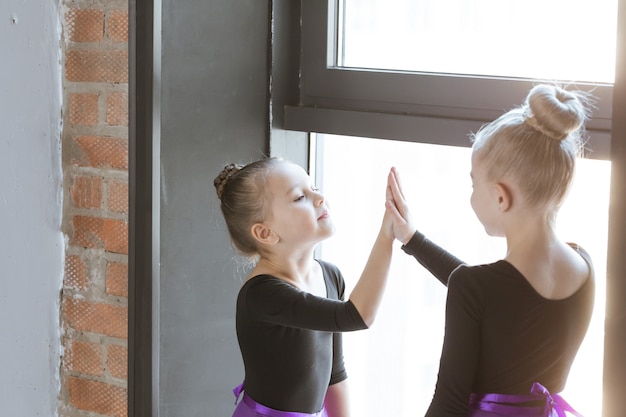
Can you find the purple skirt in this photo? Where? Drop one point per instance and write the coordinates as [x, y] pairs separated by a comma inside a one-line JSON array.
[[247, 407], [502, 405]]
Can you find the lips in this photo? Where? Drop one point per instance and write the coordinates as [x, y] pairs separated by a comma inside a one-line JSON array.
[[323, 216]]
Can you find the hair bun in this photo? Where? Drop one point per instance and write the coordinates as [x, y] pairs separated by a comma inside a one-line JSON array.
[[224, 176], [556, 112]]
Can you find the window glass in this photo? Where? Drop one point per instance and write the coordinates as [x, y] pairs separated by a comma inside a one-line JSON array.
[[556, 39], [393, 366]]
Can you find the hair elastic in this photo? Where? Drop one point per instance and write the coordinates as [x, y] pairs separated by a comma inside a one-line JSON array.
[[534, 123]]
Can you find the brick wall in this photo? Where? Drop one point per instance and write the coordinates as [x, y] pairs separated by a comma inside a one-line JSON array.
[[94, 303]]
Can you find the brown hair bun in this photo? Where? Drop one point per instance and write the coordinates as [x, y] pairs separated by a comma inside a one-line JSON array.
[[224, 176]]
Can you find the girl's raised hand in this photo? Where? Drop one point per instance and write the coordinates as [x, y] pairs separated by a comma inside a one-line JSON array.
[[398, 209]]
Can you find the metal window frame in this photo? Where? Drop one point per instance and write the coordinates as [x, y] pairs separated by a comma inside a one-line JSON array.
[[402, 105], [345, 101], [144, 48]]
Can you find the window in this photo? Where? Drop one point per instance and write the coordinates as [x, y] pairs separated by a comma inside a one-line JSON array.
[[393, 366], [370, 87], [481, 37]]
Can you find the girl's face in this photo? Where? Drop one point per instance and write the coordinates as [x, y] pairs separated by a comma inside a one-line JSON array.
[[484, 199], [298, 212]]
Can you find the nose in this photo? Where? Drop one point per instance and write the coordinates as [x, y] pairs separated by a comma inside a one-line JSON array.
[[319, 198]]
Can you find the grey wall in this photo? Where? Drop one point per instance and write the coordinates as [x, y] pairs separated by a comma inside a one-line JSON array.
[[32, 246], [215, 96], [214, 110]]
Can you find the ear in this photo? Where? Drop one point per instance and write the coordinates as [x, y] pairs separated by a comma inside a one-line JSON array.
[[504, 196], [264, 234]]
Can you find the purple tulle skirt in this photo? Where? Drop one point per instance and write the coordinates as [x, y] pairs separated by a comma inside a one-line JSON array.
[[502, 405], [247, 407]]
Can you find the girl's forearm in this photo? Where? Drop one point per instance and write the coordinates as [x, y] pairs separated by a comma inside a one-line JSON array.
[[368, 292]]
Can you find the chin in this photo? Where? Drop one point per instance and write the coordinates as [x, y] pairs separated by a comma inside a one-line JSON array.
[[493, 233], [329, 232]]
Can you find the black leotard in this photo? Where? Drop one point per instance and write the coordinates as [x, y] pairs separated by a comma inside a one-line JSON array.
[[290, 340], [501, 335]]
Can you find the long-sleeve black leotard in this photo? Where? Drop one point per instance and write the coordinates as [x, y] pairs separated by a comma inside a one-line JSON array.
[[501, 335], [290, 340]]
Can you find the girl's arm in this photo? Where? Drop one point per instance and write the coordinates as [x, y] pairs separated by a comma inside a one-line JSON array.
[[336, 401], [434, 258], [368, 292], [461, 346]]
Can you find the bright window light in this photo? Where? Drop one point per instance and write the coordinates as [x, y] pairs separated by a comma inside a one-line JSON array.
[[572, 40], [393, 366]]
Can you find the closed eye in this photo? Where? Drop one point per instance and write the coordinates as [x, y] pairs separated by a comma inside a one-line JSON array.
[[299, 198]]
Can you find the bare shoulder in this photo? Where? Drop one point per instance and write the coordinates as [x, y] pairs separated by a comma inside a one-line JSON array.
[[572, 269], [579, 259], [557, 273]]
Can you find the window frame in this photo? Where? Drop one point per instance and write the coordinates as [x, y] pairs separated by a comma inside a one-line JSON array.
[[332, 100], [403, 105]]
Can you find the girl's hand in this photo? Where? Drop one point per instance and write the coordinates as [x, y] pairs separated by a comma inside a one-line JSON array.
[[387, 225], [398, 209]]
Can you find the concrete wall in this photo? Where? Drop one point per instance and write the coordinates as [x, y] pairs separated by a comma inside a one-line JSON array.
[[32, 245], [214, 110]]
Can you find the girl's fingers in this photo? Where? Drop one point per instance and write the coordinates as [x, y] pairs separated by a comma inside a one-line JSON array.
[[402, 217], [398, 181], [396, 216], [398, 197], [393, 185]]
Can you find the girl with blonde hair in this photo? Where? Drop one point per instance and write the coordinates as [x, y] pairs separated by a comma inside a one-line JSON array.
[[513, 327]]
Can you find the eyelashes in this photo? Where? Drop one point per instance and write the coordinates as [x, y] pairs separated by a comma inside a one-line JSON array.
[[303, 196]]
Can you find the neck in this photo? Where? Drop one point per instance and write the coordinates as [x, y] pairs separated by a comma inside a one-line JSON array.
[[531, 237], [293, 267]]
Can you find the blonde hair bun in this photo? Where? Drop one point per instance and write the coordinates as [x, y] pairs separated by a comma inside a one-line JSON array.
[[556, 112]]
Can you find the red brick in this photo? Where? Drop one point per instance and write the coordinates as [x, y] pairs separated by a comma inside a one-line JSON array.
[[97, 397], [84, 25], [95, 53], [104, 66], [99, 318], [86, 192], [117, 361], [84, 109], [117, 279], [85, 358], [117, 199], [100, 152], [115, 234], [75, 273], [117, 109], [95, 232], [117, 26]]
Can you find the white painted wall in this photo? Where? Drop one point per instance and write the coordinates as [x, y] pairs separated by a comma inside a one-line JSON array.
[[31, 243]]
